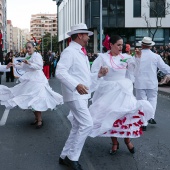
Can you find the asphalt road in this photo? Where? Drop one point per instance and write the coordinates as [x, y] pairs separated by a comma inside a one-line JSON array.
[[22, 147]]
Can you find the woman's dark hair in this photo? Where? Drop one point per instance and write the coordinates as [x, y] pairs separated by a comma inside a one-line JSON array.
[[30, 42], [104, 49], [33, 44], [7, 55], [114, 39], [124, 49]]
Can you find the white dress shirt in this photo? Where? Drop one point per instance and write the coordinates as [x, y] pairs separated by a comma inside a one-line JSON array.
[[146, 70], [72, 69]]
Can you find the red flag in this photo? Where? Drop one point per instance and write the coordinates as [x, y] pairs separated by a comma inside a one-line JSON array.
[[106, 42]]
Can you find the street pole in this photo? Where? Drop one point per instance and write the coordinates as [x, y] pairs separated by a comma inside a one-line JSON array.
[[42, 42], [101, 30], [51, 42], [4, 28], [42, 46]]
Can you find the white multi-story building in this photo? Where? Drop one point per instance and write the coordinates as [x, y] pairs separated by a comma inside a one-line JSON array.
[[20, 38], [17, 39], [69, 13], [3, 22], [10, 44], [25, 37], [43, 23], [1, 14], [124, 17]]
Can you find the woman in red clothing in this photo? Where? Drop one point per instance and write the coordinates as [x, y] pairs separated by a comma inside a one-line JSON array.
[[46, 67]]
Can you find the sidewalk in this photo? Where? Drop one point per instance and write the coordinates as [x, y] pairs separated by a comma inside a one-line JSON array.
[[164, 90]]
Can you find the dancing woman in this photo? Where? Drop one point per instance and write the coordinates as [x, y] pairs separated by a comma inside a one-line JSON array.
[[33, 91], [115, 111]]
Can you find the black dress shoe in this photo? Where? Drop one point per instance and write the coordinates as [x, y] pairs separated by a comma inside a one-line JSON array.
[[61, 161], [143, 128], [72, 164], [152, 121]]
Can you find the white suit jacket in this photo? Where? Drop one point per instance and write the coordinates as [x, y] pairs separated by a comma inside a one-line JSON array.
[[3, 68], [72, 69], [146, 70]]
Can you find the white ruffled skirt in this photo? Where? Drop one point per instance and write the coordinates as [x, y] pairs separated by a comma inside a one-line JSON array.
[[116, 112], [35, 95]]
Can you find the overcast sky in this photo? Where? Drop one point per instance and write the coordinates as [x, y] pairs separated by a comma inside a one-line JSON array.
[[19, 11]]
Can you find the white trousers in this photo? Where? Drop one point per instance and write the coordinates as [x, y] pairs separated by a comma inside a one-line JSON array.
[[149, 95], [82, 125]]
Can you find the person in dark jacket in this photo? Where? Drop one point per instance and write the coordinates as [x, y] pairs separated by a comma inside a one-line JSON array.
[[9, 75]]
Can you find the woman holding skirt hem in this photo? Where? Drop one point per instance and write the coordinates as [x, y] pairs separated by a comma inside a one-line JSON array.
[[115, 111], [33, 91]]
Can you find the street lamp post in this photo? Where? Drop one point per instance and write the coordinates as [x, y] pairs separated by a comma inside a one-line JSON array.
[[42, 34], [51, 43], [58, 2]]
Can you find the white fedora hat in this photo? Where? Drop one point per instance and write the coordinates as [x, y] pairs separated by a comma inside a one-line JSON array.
[[147, 41], [79, 28]]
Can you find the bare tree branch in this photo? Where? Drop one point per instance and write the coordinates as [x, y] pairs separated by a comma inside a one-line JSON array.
[[159, 8]]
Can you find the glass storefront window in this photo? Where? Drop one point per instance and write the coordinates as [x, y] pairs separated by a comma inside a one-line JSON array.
[[120, 8], [116, 11], [105, 7], [112, 8], [104, 12], [116, 7], [159, 36], [142, 33]]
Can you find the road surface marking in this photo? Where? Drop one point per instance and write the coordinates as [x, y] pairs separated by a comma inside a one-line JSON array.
[[4, 117]]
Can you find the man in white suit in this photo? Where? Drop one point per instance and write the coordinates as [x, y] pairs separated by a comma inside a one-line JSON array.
[[73, 70], [146, 83]]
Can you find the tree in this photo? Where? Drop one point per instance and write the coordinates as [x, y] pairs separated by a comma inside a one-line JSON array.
[[158, 10], [47, 42]]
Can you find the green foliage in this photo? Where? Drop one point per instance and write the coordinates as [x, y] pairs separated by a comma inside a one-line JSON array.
[[46, 42]]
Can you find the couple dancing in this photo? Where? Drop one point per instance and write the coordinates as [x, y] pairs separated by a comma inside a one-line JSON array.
[[114, 112]]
